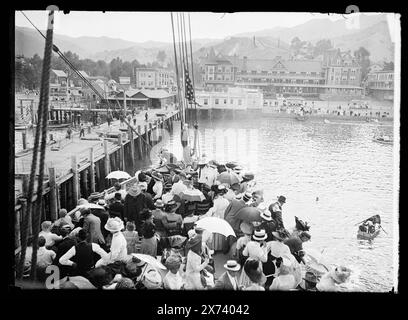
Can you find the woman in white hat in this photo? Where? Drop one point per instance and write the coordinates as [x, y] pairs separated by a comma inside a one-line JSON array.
[[285, 280], [173, 279], [247, 229], [334, 277], [118, 248]]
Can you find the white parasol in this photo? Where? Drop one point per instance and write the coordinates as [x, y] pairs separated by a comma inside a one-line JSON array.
[[90, 206], [150, 260], [192, 195], [118, 175], [216, 225]]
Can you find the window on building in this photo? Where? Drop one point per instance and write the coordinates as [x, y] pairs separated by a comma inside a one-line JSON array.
[[231, 101], [225, 101], [216, 101], [239, 102], [205, 102]]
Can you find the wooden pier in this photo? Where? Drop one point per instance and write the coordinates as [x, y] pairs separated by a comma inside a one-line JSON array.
[[78, 167]]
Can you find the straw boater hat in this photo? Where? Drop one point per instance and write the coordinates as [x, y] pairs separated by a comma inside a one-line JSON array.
[[134, 190], [246, 228], [265, 214], [232, 265], [340, 274], [203, 161], [114, 224], [159, 203], [101, 202], [247, 196], [259, 235]]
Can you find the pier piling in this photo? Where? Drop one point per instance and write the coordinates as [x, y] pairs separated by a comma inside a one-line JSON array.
[[53, 194], [92, 170], [75, 179]]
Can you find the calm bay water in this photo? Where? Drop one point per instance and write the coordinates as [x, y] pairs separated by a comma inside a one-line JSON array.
[[339, 163]]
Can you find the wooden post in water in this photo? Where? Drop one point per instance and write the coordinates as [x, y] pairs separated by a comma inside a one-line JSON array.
[[53, 194], [98, 175], [121, 153], [147, 138], [107, 162], [17, 226], [75, 179], [84, 180], [132, 149], [24, 133], [26, 179], [139, 141], [92, 169]]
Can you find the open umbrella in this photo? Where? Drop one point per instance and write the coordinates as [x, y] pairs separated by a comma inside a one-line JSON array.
[[249, 214], [228, 177], [150, 260], [216, 225], [192, 195], [90, 206], [118, 175]]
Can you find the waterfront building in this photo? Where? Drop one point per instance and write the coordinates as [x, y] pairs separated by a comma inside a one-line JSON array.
[[380, 84], [58, 85], [278, 76], [342, 75], [153, 78], [233, 98], [144, 98]]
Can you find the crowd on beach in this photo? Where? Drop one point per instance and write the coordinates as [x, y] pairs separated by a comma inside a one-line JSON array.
[[148, 236]]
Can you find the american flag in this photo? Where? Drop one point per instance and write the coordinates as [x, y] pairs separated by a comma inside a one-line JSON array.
[[188, 87]]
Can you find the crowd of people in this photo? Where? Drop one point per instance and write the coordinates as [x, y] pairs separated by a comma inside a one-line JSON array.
[[147, 237]]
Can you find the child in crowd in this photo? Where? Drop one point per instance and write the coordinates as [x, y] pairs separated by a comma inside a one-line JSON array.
[[132, 237]]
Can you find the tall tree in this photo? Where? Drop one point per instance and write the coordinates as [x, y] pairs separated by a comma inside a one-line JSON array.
[[362, 56], [322, 46], [161, 56]]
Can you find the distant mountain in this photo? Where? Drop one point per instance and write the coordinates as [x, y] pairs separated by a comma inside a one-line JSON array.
[[258, 48], [376, 39], [317, 29]]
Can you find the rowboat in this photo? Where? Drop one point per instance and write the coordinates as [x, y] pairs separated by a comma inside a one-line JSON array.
[[383, 140], [301, 118], [373, 223], [326, 121]]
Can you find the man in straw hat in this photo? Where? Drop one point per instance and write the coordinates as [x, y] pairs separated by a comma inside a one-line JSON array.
[[276, 211], [256, 248], [309, 282], [135, 202], [228, 280]]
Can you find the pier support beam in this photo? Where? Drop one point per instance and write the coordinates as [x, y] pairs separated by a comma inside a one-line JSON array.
[[107, 161], [132, 149], [75, 179], [24, 134], [121, 154], [92, 170], [147, 139], [53, 194], [139, 141]]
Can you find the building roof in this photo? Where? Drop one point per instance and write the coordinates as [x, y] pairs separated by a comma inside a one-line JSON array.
[[156, 94], [59, 73], [288, 65]]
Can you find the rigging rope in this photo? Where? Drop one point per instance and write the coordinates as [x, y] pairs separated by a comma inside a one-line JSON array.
[[45, 86]]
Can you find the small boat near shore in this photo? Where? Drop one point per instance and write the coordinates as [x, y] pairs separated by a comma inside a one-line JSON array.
[[383, 140], [326, 121], [301, 117], [369, 228]]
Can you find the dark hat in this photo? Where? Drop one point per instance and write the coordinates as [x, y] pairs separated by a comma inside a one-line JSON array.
[[198, 230], [310, 277], [280, 235], [142, 177], [253, 271], [282, 199], [194, 243], [94, 196], [305, 234], [259, 235]]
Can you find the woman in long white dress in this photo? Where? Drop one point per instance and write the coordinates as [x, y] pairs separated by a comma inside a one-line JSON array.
[[194, 264]]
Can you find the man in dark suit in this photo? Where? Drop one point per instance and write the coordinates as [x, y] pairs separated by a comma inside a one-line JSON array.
[[62, 247], [116, 208], [228, 280], [92, 226]]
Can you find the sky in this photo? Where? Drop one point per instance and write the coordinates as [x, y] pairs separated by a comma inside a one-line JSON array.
[[156, 26]]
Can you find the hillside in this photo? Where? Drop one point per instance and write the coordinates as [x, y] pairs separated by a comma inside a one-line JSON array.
[[317, 29], [375, 39], [260, 48]]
